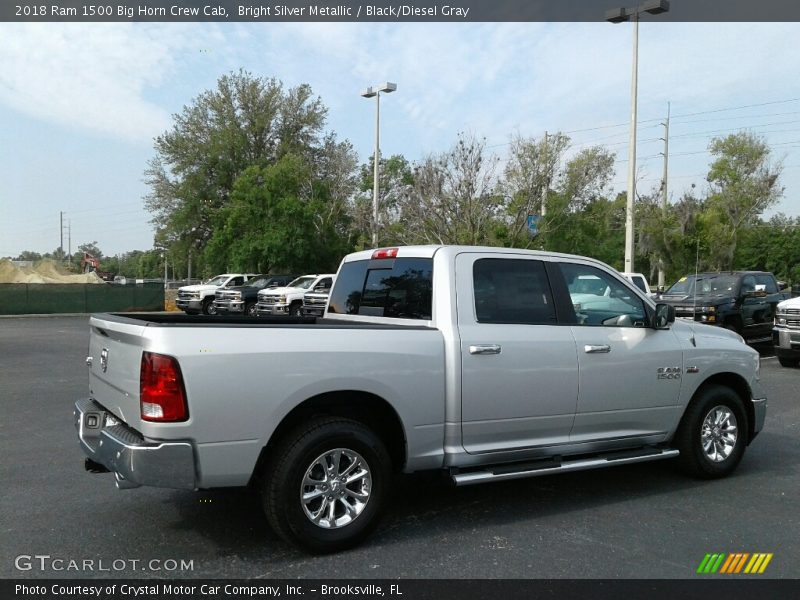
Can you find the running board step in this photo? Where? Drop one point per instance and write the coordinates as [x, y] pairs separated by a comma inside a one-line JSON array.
[[558, 465]]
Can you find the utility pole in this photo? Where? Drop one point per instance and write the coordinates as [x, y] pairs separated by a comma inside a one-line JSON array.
[[546, 176], [69, 241], [661, 273], [189, 275], [61, 230]]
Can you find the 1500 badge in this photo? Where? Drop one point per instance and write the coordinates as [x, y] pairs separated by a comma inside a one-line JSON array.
[[669, 372]]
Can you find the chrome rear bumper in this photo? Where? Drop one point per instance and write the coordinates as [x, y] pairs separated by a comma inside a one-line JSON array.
[[133, 460]]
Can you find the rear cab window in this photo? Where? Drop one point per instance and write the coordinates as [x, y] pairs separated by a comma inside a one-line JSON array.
[[399, 288]]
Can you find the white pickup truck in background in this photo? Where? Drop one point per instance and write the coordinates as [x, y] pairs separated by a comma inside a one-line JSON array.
[[486, 364], [786, 333], [289, 300], [199, 298], [640, 281]]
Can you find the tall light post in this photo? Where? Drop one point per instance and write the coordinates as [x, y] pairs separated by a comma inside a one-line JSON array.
[[375, 92], [619, 15]]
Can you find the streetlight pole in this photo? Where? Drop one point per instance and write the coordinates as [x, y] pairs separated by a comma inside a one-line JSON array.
[[619, 15], [375, 92]]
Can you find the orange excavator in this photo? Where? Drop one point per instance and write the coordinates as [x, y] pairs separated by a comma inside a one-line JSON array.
[[90, 264]]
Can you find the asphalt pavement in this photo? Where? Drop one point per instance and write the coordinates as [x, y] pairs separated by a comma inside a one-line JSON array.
[[638, 521]]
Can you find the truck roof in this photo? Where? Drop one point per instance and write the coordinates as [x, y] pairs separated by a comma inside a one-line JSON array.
[[427, 251]]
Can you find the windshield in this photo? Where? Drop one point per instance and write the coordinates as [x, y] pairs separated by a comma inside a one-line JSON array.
[[218, 280], [261, 282], [302, 282], [704, 284]]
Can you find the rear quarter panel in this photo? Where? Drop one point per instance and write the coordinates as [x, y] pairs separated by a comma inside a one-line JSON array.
[[241, 382]]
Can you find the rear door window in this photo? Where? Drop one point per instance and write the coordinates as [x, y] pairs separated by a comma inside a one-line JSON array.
[[400, 288], [512, 291]]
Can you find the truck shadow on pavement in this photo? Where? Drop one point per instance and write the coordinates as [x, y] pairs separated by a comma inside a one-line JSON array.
[[427, 506]]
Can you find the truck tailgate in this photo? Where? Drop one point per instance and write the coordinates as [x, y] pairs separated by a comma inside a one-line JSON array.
[[115, 349]]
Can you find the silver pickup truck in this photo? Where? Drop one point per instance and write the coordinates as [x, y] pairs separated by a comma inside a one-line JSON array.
[[488, 364]]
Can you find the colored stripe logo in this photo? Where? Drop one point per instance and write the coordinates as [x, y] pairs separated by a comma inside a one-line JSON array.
[[735, 563]]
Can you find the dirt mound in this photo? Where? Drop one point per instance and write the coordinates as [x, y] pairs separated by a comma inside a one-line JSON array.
[[46, 271]]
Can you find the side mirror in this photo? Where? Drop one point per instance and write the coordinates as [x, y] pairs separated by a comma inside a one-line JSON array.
[[664, 315]]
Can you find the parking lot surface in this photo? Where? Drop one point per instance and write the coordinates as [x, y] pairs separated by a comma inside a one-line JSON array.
[[634, 521]]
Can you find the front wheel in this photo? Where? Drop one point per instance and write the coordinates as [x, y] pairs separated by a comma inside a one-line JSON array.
[[713, 433], [208, 307], [296, 309], [325, 487], [250, 309]]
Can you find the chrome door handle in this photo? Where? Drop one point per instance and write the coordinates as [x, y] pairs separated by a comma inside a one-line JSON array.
[[484, 349], [599, 349]]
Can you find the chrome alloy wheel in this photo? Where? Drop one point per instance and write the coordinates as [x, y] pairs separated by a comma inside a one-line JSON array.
[[719, 433], [336, 488]]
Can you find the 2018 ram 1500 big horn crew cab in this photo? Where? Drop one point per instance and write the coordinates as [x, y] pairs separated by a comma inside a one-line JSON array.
[[486, 363]]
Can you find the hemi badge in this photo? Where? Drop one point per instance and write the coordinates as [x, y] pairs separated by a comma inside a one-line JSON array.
[[692, 369]]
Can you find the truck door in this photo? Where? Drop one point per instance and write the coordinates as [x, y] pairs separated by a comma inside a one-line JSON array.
[[630, 374], [519, 367], [758, 305]]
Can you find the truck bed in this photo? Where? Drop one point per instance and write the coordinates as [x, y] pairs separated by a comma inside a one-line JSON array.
[[184, 320]]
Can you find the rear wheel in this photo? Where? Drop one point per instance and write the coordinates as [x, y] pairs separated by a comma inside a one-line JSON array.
[[788, 362], [713, 433], [324, 489]]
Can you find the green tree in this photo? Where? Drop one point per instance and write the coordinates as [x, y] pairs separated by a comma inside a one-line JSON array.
[[743, 184], [90, 248], [246, 121], [527, 178], [454, 198], [29, 255], [580, 218], [274, 222], [396, 179], [772, 245]]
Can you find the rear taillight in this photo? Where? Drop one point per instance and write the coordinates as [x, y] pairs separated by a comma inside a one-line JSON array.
[[161, 393]]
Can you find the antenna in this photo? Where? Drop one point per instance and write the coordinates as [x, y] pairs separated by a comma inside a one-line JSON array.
[[694, 295]]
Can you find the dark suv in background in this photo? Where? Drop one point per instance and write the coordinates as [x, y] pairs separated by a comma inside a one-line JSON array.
[[242, 299]]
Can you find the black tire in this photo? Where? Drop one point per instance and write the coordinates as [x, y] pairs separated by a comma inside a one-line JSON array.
[[295, 455], [208, 307], [296, 309], [689, 438], [250, 310], [788, 362]]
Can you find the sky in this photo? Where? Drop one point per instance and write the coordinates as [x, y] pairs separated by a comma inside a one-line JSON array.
[[81, 103]]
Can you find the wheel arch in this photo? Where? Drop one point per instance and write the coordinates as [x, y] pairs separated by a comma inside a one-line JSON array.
[[367, 408], [739, 385]]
